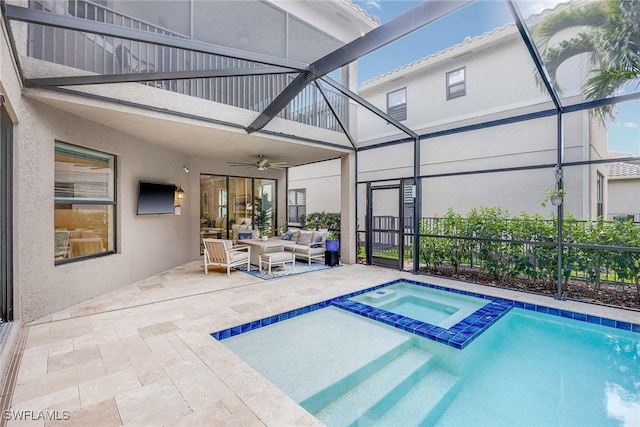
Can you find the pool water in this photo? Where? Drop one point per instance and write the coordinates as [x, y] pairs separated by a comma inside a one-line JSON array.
[[433, 306], [525, 369], [541, 370], [421, 309]]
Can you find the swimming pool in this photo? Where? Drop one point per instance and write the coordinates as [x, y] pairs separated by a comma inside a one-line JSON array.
[[528, 368]]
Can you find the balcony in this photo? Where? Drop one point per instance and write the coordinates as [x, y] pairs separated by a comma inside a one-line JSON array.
[[101, 54]]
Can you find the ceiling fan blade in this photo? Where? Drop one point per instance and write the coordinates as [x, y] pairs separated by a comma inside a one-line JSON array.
[[240, 164]]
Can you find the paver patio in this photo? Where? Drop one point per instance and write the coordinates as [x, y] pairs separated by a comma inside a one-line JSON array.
[[142, 355]]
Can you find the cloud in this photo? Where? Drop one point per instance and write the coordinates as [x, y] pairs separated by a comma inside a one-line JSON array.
[[630, 125], [534, 7], [369, 4]]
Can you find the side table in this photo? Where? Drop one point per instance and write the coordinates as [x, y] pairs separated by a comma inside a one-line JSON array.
[[331, 258]]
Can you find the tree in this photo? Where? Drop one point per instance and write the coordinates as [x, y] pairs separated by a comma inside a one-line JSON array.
[[609, 32]]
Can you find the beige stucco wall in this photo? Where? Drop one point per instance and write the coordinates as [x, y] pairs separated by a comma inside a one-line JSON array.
[[623, 195], [521, 144], [322, 182], [145, 244], [492, 88]]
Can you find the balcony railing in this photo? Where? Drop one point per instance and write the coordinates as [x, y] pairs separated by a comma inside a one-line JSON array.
[[111, 55]]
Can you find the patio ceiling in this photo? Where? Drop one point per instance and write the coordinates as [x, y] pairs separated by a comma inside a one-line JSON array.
[[227, 140], [191, 136]]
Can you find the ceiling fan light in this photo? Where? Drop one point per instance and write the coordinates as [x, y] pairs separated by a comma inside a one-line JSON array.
[[262, 167]]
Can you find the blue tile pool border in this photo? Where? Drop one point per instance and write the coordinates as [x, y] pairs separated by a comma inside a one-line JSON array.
[[458, 336]]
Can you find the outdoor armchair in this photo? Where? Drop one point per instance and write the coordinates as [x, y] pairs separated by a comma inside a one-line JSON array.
[[222, 253]]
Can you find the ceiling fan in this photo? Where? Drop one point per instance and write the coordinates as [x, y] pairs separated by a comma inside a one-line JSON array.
[[262, 164]]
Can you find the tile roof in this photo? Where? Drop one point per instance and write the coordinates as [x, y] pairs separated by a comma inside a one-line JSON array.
[[624, 169], [531, 21], [362, 11], [467, 41]]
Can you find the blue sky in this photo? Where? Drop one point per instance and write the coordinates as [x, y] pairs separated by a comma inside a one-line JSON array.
[[476, 19]]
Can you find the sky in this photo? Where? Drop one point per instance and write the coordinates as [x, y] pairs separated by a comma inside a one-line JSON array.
[[473, 20]]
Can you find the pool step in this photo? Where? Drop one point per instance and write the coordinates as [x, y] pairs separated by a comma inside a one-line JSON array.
[[379, 391], [423, 406]]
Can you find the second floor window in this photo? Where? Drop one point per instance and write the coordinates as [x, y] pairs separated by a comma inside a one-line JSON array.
[[397, 104], [456, 83], [297, 205]]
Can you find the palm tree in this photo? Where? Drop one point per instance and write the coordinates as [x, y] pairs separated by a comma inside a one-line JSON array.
[[609, 32]]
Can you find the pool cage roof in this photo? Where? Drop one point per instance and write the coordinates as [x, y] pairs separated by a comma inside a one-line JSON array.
[[436, 31]]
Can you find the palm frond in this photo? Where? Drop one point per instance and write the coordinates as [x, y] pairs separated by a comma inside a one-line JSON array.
[[556, 56], [592, 15], [609, 32], [605, 83]]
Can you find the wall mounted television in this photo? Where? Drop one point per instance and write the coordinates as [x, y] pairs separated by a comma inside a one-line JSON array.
[[155, 198]]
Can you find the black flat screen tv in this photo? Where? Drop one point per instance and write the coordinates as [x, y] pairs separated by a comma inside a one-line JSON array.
[[154, 198]]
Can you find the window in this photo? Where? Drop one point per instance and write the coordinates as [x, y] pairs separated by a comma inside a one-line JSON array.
[[600, 195], [222, 202], [84, 195], [456, 83], [297, 205], [397, 104]]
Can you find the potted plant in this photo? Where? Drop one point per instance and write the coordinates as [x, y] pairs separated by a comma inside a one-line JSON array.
[[332, 243], [262, 215], [555, 196]]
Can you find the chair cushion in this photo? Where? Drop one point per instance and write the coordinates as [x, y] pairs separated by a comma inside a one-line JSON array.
[[238, 256], [315, 251], [305, 237]]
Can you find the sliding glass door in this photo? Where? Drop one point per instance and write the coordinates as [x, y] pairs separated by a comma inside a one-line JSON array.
[[232, 205]]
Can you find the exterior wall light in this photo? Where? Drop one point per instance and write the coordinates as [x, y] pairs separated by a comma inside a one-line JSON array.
[[179, 193]]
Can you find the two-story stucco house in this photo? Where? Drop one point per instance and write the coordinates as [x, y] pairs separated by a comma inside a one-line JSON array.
[[87, 149], [465, 102]]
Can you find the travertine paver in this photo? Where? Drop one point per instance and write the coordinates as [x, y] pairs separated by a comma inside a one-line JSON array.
[[142, 355]]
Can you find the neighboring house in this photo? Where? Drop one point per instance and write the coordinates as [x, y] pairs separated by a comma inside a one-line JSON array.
[[314, 188], [486, 78], [469, 83], [623, 185], [73, 158]]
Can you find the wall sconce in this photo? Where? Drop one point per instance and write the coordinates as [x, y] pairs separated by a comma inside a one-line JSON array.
[[185, 169], [179, 193]]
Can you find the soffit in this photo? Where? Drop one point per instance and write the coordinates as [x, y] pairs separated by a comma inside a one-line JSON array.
[[191, 137]]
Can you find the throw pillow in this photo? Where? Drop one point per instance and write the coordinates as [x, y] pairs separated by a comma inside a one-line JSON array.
[[304, 238], [245, 236], [287, 235], [317, 242]]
